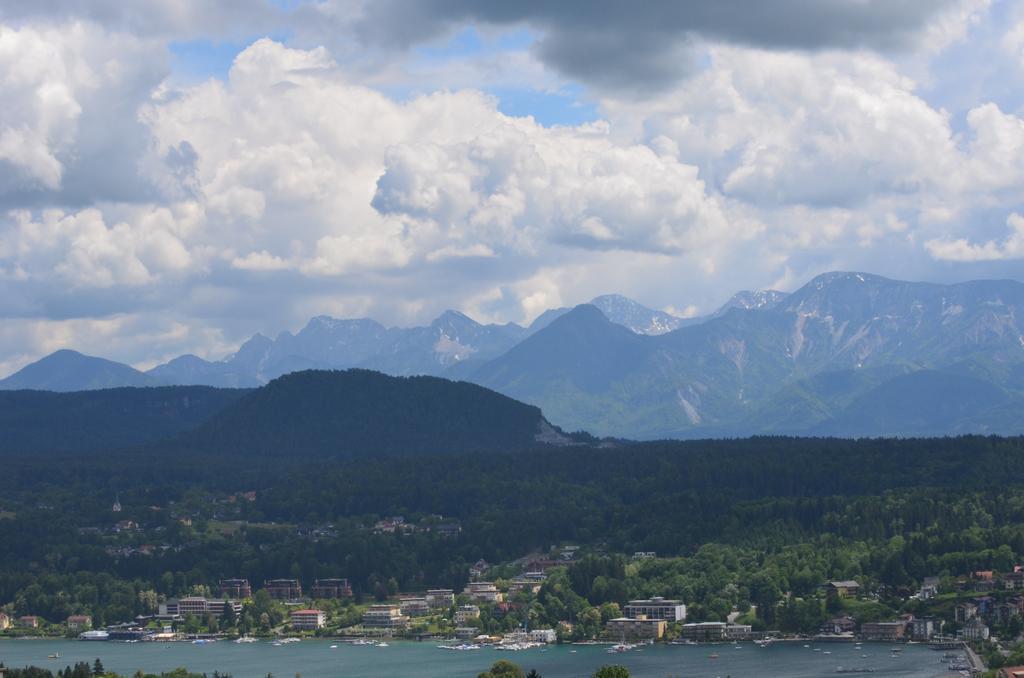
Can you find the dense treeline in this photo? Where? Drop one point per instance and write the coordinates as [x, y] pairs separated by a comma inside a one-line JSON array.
[[746, 521]]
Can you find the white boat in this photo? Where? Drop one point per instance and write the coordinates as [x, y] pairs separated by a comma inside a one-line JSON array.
[[94, 635], [334, 647], [382, 644], [247, 639]]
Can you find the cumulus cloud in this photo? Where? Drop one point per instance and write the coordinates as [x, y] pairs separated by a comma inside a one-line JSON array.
[[961, 249], [612, 44]]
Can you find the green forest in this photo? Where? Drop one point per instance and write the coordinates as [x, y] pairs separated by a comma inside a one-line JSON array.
[[733, 523]]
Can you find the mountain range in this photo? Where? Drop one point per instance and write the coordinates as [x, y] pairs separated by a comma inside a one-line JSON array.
[[847, 354]]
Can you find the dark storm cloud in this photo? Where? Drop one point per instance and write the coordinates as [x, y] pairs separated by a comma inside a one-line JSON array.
[[642, 45]]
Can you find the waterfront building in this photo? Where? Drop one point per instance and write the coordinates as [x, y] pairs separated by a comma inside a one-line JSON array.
[[308, 620], [888, 631], [79, 622], [543, 635], [384, 616], [704, 632], [656, 608], [198, 606], [923, 628], [5, 622], [624, 627], [28, 622], [975, 630]]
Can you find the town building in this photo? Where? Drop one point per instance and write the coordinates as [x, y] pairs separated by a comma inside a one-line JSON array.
[[197, 606], [844, 589], [384, 616], [308, 620], [466, 613], [543, 635], [466, 632], [964, 612], [656, 608], [975, 630], [923, 628], [235, 588], [414, 607], [483, 592], [79, 622], [888, 631], [739, 631], [324, 589], [624, 627], [447, 530], [283, 589], [5, 622], [440, 598], [704, 632], [520, 584], [644, 555], [839, 625], [28, 622], [1011, 672]]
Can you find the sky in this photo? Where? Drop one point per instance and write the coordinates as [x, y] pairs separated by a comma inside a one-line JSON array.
[[177, 175]]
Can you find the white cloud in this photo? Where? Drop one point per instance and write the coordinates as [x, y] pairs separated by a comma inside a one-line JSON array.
[[961, 249]]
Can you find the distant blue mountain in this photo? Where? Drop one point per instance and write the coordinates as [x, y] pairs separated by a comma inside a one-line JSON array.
[[67, 370]]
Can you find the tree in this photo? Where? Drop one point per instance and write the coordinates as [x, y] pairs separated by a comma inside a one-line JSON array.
[[533, 674], [97, 668], [503, 668], [227, 618], [612, 671]]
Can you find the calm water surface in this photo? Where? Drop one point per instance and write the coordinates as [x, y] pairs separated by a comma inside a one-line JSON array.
[[316, 659]]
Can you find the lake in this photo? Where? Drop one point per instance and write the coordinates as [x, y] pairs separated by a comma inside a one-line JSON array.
[[316, 659]]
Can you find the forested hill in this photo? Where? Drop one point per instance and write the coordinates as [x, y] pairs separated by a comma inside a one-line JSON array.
[[341, 413], [36, 422]]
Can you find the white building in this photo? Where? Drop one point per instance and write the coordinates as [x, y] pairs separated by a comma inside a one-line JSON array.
[[483, 592], [975, 630], [308, 620], [543, 635], [437, 598], [656, 608], [384, 616], [466, 613]]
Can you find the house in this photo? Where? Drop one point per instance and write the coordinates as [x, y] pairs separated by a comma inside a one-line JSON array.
[[624, 627], [384, 617], [923, 628], [466, 613], [986, 605], [1011, 672], [331, 588], [235, 588], [656, 608], [975, 630], [739, 631], [415, 607], [843, 589], [28, 622], [543, 635], [644, 555], [447, 530], [704, 632], [79, 622], [466, 632], [519, 584], [440, 598], [5, 622], [478, 568], [283, 589], [839, 625], [888, 631], [483, 592], [308, 620]]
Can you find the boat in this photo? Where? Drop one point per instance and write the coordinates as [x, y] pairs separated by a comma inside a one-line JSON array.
[[246, 639], [713, 655], [840, 669], [382, 644], [94, 635], [55, 655], [334, 647]]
